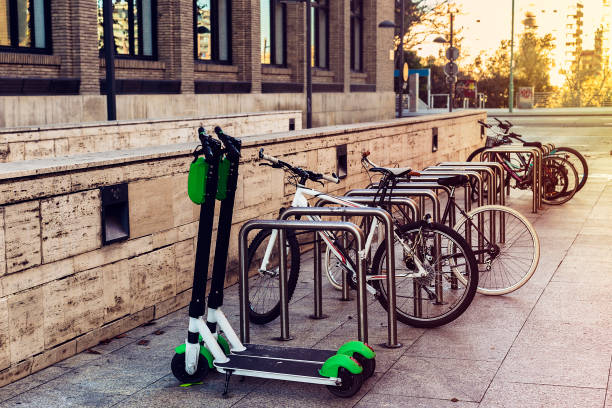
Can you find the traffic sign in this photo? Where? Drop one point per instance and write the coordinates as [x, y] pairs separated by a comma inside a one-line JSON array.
[[406, 72], [451, 68], [452, 53]]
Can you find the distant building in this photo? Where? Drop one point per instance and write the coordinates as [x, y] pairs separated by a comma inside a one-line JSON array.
[[197, 57]]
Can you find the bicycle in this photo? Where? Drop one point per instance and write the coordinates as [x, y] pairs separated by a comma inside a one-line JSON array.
[[560, 180], [568, 153], [428, 257], [505, 243]]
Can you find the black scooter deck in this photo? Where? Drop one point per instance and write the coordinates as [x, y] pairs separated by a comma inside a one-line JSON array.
[[272, 365], [285, 353]]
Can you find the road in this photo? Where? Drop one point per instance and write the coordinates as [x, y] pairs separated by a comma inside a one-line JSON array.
[[591, 135]]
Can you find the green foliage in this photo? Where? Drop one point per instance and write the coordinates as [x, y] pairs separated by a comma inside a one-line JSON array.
[[533, 61], [532, 64]]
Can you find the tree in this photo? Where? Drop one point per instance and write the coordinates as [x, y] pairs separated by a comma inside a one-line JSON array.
[[495, 77], [533, 61], [422, 19], [586, 85]]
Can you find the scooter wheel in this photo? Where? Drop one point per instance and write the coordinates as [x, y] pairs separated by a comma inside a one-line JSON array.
[[351, 383], [368, 364], [178, 369]]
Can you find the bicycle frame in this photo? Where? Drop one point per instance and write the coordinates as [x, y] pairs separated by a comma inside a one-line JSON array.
[[300, 200]]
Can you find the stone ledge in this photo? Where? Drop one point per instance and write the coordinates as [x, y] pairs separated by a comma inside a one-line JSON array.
[[29, 168], [138, 122]]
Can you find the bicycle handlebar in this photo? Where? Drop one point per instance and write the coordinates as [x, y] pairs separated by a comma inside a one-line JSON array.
[[310, 175]]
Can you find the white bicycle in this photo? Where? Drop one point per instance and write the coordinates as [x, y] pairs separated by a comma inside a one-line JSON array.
[[435, 269]]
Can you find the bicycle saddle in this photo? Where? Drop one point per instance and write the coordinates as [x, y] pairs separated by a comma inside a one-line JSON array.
[[453, 181], [394, 171], [533, 144]]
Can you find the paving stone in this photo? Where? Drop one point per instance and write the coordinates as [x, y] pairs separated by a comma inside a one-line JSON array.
[[375, 400], [166, 392], [464, 342], [510, 395], [57, 394], [556, 365], [445, 378]]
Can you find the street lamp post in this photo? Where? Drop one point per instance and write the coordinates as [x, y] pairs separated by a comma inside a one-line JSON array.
[[308, 67], [452, 83], [109, 57], [511, 80], [400, 109]]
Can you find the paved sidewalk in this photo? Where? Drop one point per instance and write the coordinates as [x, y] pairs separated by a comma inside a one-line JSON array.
[[547, 345]]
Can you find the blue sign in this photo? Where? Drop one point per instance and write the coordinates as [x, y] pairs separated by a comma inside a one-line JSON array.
[[422, 72]]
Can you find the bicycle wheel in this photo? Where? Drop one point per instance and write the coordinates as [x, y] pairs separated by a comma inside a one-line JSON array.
[[333, 266], [559, 180], [264, 292], [438, 297], [510, 249], [577, 160], [476, 153]]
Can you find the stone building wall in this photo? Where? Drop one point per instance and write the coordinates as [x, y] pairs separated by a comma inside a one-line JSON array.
[[34, 91]]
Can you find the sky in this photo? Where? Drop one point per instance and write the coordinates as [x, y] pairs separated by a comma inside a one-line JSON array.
[[486, 22]]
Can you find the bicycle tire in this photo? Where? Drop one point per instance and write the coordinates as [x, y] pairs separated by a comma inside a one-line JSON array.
[[558, 174], [476, 153], [258, 283], [447, 312], [333, 267], [576, 157], [506, 271]]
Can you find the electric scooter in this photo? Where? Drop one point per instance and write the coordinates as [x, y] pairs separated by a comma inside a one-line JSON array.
[[205, 349]]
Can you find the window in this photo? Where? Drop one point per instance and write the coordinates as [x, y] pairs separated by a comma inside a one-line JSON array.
[[319, 34], [273, 16], [134, 27], [356, 35], [212, 30], [25, 25]]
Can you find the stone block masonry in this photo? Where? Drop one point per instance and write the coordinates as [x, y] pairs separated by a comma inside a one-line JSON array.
[[17, 144], [62, 292]]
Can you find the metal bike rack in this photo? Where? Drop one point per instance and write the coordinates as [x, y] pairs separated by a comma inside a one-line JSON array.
[[497, 167], [415, 210], [387, 221], [536, 154], [420, 191], [482, 170], [499, 174], [282, 226]]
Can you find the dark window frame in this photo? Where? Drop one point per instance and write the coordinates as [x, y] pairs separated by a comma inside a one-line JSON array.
[[316, 6], [356, 16], [214, 35], [273, 56], [132, 54], [14, 30]]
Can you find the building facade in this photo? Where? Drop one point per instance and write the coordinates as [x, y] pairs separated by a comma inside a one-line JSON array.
[[193, 57]]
